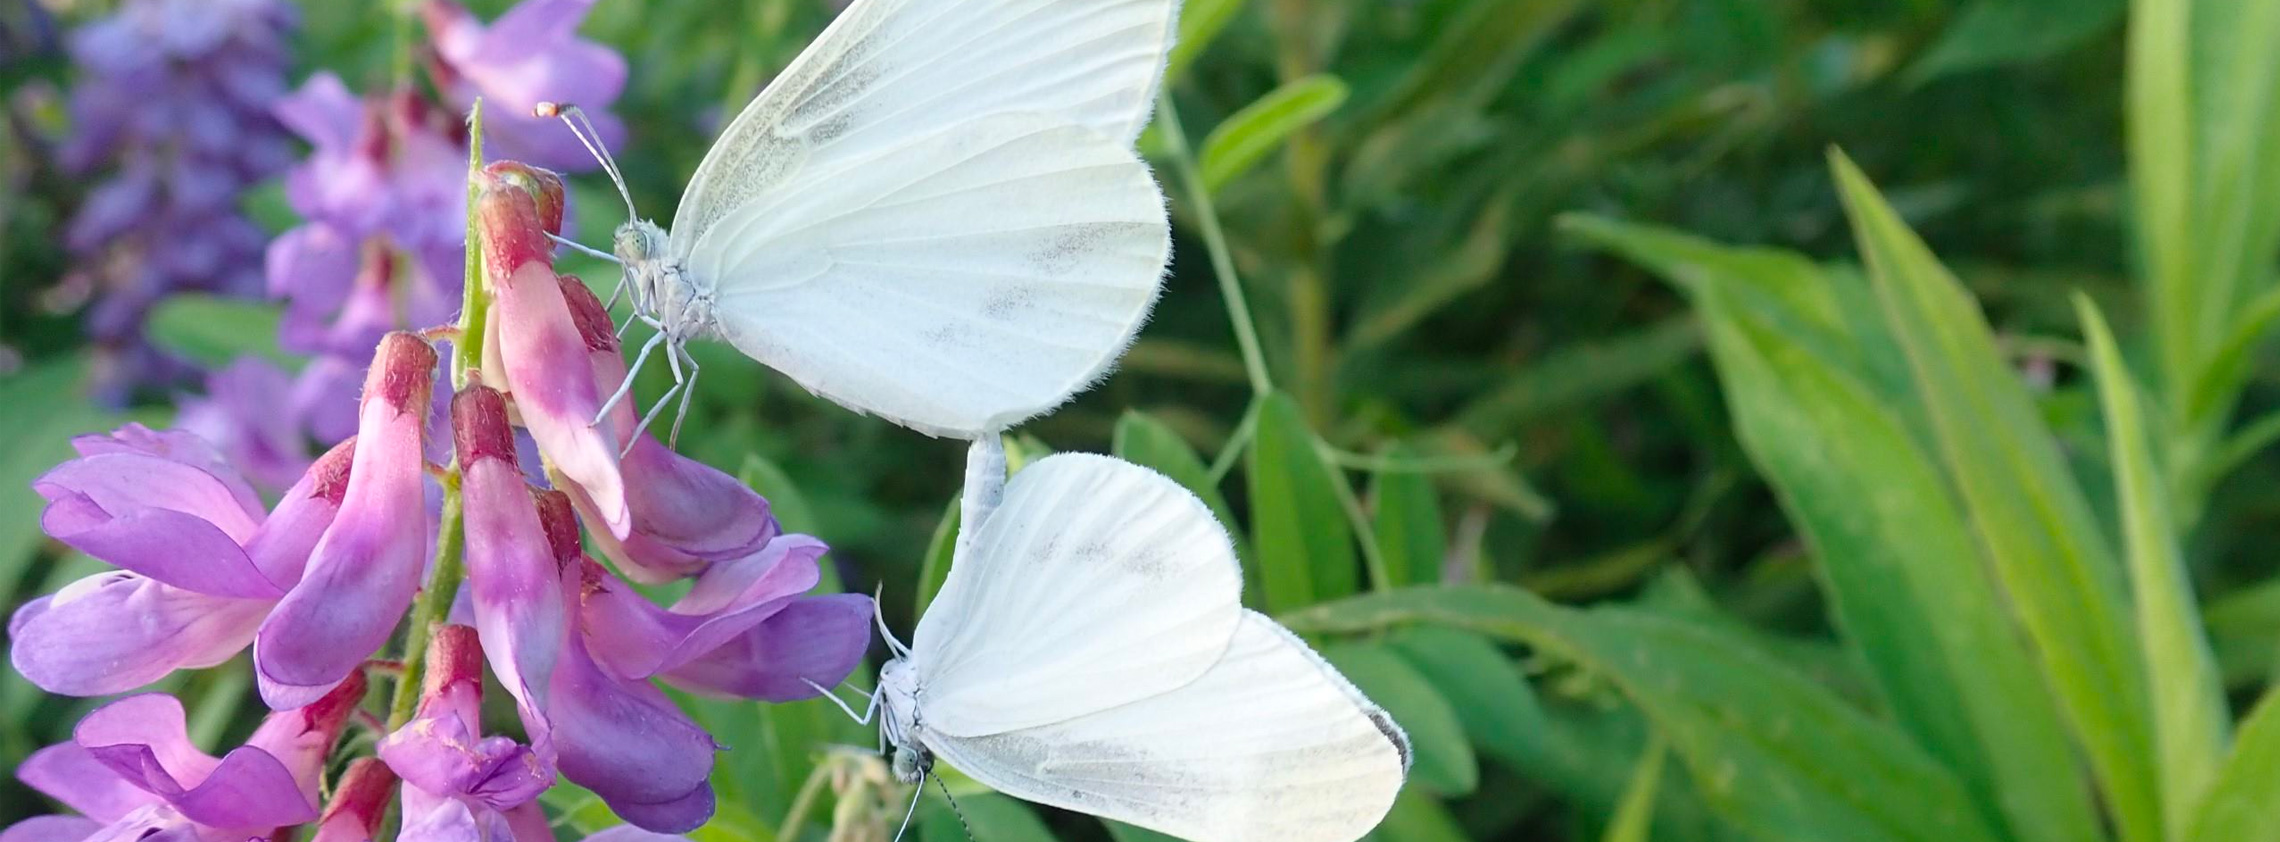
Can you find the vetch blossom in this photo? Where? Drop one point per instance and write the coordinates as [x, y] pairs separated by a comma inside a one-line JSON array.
[[364, 570], [460, 786], [618, 735], [513, 576], [535, 351], [240, 415], [202, 566], [529, 55], [359, 803], [132, 771]]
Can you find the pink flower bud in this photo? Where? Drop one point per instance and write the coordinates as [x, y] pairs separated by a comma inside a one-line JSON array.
[[514, 235], [364, 570], [544, 186], [512, 574], [359, 803], [545, 357]]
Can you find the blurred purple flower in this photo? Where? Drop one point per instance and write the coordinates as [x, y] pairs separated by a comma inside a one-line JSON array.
[[240, 415], [173, 96], [202, 565], [529, 55], [132, 771]]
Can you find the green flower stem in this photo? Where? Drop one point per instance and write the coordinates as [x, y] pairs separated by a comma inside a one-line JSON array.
[[434, 601], [1215, 243]]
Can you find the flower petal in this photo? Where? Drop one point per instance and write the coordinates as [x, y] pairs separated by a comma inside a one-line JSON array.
[[685, 513], [51, 829], [679, 815], [68, 773], [644, 639], [322, 112], [512, 575], [179, 549], [553, 388], [627, 742], [119, 483], [113, 632], [817, 638]]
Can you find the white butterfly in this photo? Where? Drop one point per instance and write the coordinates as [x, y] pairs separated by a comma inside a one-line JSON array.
[[934, 215], [1090, 651]]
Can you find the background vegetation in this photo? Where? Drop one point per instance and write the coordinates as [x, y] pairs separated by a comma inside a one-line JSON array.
[[1693, 419]]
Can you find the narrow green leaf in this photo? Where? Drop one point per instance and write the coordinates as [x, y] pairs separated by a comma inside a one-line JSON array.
[[2158, 101], [1634, 818], [1757, 737], [213, 331], [1444, 763], [1200, 23], [2190, 721], [2239, 806], [1461, 269], [1305, 550], [1498, 710], [1245, 137], [1475, 55], [1994, 32], [934, 567], [1895, 554], [1578, 374], [2037, 529], [1411, 535]]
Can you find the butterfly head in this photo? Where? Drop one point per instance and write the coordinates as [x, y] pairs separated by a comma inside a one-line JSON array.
[[638, 241]]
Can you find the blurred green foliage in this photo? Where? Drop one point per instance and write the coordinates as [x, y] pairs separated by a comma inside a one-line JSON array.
[[1504, 308]]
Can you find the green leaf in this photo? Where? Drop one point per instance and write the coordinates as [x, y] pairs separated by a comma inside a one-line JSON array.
[[1200, 23], [1895, 554], [2035, 525], [1995, 32], [213, 331], [1758, 738], [1411, 535], [934, 567], [1305, 549], [1498, 710], [992, 818], [1461, 269], [1580, 373], [1444, 762], [1634, 818], [790, 507], [2190, 721], [2239, 806], [1242, 140]]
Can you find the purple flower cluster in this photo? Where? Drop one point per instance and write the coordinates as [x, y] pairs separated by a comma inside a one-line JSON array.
[[173, 101], [383, 194], [322, 580]]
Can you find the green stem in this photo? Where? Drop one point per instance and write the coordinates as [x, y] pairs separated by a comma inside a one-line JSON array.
[[432, 607], [1215, 244], [434, 603], [1373, 556]]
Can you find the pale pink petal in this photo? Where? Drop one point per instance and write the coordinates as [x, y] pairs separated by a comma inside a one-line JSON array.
[[114, 632]]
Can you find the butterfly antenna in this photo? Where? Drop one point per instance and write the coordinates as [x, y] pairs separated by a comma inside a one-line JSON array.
[[914, 796], [879, 615], [575, 118], [961, 814]]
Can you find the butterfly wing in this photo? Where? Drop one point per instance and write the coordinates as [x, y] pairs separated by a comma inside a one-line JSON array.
[[1271, 743], [1095, 583], [880, 226]]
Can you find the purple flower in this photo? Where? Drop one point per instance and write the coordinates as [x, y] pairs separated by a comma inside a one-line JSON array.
[[173, 97], [529, 55], [685, 515], [239, 414], [133, 772], [202, 565], [458, 785], [512, 574], [364, 570], [618, 735], [537, 352]]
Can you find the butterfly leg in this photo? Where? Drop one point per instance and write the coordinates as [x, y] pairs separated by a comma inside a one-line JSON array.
[[879, 615], [869, 707], [589, 251], [626, 388], [674, 440], [673, 354]]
